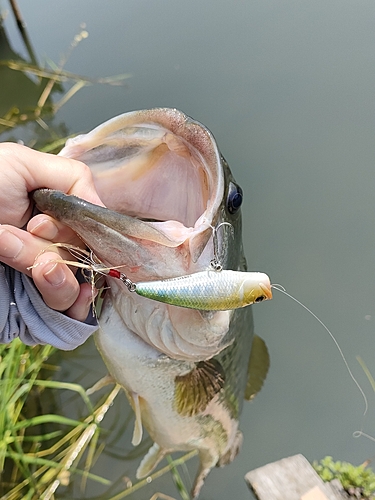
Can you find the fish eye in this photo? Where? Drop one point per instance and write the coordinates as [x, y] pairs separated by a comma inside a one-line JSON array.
[[260, 299], [235, 196]]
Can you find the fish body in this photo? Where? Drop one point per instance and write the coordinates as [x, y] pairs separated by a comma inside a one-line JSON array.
[[185, 371]]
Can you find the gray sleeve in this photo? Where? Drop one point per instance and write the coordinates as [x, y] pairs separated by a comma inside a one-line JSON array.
[[24, 314]]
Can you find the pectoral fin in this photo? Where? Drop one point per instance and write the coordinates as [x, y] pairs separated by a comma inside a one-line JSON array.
[[138, 430], [197, 388], [258, 366]]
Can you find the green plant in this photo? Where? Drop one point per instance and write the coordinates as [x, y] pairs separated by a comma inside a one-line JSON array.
[[355, 479], [40, 452], [37, 451]]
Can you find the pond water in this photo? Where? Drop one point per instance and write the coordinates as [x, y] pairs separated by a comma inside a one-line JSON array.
[[287, 88]]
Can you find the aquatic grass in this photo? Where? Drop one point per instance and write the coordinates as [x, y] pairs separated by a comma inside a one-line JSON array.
[[184, 493], [56, 145], [367, 372], [172, 465], [59, 74], [161, 496], [33, 462], [43, 107], [357, 480], [17, 363], [48, 80], [7, 123], [41, 452]]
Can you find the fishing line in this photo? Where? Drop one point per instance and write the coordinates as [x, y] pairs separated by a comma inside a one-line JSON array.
[[215, 262], [281, 289], [358, 434]]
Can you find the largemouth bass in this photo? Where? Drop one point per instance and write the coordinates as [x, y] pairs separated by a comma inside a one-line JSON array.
[[185, 372]]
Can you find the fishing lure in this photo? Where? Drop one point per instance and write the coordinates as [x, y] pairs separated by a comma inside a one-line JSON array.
[[214, 289], [211, 290], [208, 290]]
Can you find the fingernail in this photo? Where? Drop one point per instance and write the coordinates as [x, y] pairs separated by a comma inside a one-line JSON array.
[[10, 245], [45, 229], [54, 275]]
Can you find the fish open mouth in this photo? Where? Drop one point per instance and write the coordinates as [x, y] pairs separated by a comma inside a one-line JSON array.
[[161, 181], [160, 167], [161, 177]]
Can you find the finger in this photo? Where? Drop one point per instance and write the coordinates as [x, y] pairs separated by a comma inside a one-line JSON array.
[[18, 248], [48, 228], [32, 170], [55, 172], [81, 307], [55, 281]]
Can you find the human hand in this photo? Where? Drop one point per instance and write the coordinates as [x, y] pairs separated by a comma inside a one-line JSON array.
[[22, 170], [55, 281]]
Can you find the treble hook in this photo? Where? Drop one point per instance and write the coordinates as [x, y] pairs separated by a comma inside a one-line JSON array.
[[215, 262]]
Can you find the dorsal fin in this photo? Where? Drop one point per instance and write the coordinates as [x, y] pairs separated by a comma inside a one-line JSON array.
[[197, 388], [259, 363]]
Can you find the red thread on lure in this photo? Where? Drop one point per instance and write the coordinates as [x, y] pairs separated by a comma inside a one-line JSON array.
[[114, 273]]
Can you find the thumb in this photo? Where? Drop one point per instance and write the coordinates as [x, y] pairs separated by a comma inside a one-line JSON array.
[[56, 172]]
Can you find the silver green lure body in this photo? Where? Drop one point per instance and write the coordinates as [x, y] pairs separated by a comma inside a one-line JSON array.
[[209, 290]]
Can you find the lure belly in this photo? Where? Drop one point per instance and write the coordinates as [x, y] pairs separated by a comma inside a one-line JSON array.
[[209, 290]]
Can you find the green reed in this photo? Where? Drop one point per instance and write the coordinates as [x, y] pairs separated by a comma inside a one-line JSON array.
[[40, 453]]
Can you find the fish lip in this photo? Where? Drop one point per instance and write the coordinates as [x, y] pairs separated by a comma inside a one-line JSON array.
[[65, 207]]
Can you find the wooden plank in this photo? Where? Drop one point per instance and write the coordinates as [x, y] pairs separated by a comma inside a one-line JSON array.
[[314, 494], [291, 478]]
